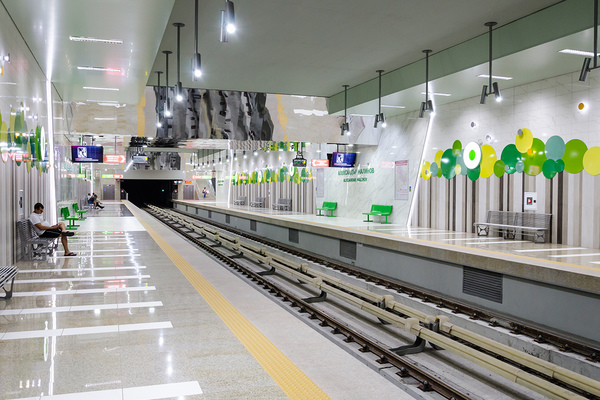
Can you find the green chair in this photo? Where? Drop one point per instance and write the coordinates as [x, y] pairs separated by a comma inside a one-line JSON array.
[[382, 211], [78, 211], [65, 213]]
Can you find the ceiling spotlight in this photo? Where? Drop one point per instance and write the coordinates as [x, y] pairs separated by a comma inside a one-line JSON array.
[[345, 124], [158, 124], [167, 101], [244, 153], [6, 57], [196, 59], [492, 87], [220, 160], [585, 69], [380, 117], [230, 16], [426, 105], [179, 90]]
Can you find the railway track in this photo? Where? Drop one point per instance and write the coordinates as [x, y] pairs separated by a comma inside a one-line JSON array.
[[437, 331]]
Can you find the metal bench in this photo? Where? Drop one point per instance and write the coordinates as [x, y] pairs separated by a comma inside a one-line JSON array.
[[240, 201], [258, 202], [34, 247], [7, 274], [327, 206], [380, 210], [283, 204], [513, 223]]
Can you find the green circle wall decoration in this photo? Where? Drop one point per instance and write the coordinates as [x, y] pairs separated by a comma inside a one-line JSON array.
[[473, 174], [456, 148], [555, 148], [472, 155], [534, 158], [559, 166], [510, 155], [520, 166], [574, 151], [434, 169], [499, 168], [591, 161], [448, 164], [460, 161], [549, 169]]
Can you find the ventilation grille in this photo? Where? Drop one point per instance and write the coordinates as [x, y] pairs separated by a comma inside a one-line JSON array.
[[253, 226], [483, 284], [209, 214], [294, 236], [348, 249], [228, 219]]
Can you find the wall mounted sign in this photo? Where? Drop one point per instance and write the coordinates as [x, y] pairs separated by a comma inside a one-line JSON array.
[[114, 158], [201, 176], [320, 163], [401, 180], [188, 182]]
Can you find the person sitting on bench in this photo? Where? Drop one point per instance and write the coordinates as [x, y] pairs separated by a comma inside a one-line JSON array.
[[93, 199], [45, 230]]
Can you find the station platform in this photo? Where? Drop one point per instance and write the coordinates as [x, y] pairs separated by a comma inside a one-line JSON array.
[[569, 266], [140, 313]]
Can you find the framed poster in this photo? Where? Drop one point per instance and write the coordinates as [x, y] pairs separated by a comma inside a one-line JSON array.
[[401, 180]]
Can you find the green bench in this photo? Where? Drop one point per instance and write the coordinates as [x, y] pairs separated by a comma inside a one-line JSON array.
[[382, 211], [65, 213], [327, 206], [78, 211]]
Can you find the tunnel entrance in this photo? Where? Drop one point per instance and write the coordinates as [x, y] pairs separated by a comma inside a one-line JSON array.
[[143, 191]]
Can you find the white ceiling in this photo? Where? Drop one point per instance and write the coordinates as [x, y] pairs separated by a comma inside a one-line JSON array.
[[308, 47]]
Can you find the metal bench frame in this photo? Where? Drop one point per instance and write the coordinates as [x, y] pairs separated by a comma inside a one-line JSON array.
[[377, 210], [283, 204], [7, 274], [34, 247], [327, 206], [240, 201], [259, 202], [513, 223]]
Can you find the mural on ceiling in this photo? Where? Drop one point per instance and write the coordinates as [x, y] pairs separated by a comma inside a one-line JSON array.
[[21, 144], [214, 114], [528, 154]]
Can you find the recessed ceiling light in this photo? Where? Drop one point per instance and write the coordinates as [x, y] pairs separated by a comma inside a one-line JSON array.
[[503, 78], [105, 69], [102, 101], [100, 88], [437, 94], [384, 106], [105, 119], [577, 52], [89, 39], [7, 83]]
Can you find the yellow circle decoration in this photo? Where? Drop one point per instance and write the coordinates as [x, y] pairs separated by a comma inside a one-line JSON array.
[[457, 169], [488, 159], [591, 160], [438, 157], [581, 106], [523, 140], [426, 173]]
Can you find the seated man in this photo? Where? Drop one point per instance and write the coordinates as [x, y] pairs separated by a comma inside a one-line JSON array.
[[45, 230], [93, 199]]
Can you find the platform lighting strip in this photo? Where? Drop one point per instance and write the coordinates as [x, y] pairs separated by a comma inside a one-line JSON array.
[[104, 69], [102, 101], [95, 40], [502, 78], [100, 88], [438, 94], [577, 52], [384, 106], [105, 119]]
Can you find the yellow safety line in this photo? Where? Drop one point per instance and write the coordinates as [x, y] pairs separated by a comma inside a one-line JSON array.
[[286, 374]]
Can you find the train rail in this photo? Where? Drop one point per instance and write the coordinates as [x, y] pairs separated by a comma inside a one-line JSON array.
[[541, 376]]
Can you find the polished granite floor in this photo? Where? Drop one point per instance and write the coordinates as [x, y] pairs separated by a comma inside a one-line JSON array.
[[574, 258], [120, 321]]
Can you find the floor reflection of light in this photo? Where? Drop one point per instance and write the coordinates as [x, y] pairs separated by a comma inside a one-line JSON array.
[[151, 309], [161, 341]]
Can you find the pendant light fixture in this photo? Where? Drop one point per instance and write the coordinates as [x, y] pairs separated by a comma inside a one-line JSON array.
[[158, 124], [586, 62], [492, 87], [196, 60], [380, 117], [227, 21], [345, 125], [426, 105], [179, 89], [167, 100]]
